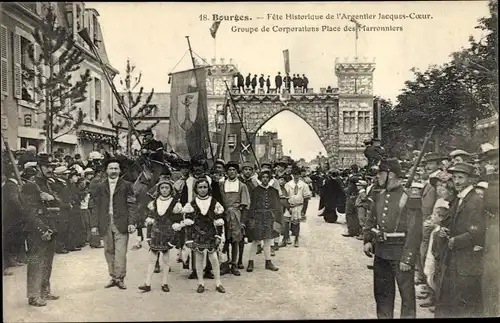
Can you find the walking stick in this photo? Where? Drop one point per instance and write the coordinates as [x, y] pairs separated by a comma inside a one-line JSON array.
[[419, 158]]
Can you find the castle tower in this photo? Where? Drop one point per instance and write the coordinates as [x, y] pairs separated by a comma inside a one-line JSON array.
[[355, 86], [217, 75]]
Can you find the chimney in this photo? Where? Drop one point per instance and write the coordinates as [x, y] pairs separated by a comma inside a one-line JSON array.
[[222, 61], [213, 62]]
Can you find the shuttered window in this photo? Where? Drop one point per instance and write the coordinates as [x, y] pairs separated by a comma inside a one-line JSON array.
[[4, 62], [18, 81], [98, 103]]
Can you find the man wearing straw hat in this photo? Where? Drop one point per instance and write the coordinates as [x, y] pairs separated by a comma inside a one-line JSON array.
[[459, 291]]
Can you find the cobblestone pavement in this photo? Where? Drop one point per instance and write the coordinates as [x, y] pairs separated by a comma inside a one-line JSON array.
[[325, 278]]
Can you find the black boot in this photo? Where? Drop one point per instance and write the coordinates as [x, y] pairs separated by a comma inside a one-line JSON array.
[[270, 266], [296, 242], [250, 266], [224, 268], [234, 270]]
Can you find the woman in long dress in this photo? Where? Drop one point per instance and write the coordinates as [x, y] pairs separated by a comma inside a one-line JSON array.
[[164, 222], [204, 219], [264, 215]]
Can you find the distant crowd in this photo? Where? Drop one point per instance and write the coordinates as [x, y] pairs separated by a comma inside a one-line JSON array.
[[261, 85]]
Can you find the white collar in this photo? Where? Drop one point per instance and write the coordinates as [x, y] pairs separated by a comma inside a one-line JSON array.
[[113, 180], [465, 191]]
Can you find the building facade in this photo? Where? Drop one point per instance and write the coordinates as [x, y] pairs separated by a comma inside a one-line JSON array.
[[21, 121]]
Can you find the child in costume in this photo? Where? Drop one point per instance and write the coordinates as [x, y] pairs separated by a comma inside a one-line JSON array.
[[164, 222], [204, 223]]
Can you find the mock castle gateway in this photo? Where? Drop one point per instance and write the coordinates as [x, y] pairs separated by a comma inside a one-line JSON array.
[[343, 118]]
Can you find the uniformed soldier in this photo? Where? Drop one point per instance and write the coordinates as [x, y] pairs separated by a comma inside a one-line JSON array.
[[42, 209], [61, 189], [393, 230]]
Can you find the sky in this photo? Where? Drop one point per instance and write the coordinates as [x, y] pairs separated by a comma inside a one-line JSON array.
[[153, 34]]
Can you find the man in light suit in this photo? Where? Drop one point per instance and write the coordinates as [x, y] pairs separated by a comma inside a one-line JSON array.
[[113, 215], [459, 291]]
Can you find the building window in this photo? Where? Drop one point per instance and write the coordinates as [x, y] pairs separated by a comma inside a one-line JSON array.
[[27, 68], [349, 121], [25, 142], [95, 28], [28, 120], [364, 122], [97, 102]]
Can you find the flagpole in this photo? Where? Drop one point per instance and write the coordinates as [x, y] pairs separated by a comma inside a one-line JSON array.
[[215, 49], [203, 110], [242, 125]]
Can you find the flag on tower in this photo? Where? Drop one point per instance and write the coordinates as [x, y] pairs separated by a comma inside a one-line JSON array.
[[358, 25], [214, 28]]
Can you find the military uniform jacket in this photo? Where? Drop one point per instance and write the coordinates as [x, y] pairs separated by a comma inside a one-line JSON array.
[[38, 218], [384, 216]]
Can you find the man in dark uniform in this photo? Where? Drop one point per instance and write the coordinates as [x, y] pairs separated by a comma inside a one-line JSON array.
[[278, 80], [299, 83], [268, 83], [240, 82], [61, 189], [395, 224], [98, 167], [305, 83], [254, 83], [41, 210], [332, 198], [374, 152], [152, 148], [12, 217], [248, 81], [287, 80], [262, 81]]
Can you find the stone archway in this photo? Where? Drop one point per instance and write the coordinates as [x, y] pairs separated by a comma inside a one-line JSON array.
[[319, 111]]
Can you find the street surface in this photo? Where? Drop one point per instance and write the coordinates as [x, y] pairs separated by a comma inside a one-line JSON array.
[[325, 278]]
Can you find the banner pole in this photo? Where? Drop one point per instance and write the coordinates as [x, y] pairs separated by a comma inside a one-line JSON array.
[[205, 117]]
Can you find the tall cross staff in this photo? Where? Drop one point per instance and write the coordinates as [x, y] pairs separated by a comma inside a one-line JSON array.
[[358, 25]]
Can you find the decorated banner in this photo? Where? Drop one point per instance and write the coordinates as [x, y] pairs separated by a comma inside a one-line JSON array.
[[286, 56], [188, 134]]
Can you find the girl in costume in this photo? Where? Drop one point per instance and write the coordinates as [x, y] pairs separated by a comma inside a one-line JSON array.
[[204, 223], [164, 221]]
